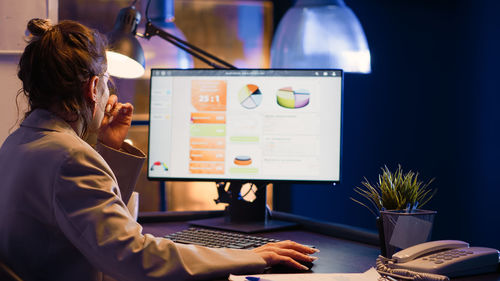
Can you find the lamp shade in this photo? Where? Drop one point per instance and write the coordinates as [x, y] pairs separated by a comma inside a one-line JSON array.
[[320, 34], [125, 55]]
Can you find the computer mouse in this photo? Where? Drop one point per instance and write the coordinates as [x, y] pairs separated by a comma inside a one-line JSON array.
[[308, 264], [287, 269]]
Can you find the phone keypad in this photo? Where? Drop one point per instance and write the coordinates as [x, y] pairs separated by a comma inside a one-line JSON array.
[[447, 256]]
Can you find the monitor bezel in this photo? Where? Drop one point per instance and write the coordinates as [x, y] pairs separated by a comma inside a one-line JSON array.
[[223, 179]]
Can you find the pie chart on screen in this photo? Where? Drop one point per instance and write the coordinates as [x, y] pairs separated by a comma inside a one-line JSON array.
[[290, 98], [250, 96]]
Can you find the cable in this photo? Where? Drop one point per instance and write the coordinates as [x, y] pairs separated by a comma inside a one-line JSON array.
[[147, 11], [250, 189], [383, 268]]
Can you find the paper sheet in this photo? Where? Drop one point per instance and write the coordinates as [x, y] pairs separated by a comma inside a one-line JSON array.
[[369, 275]]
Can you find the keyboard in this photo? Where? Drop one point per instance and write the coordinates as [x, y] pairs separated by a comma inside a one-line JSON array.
[[218, 238]]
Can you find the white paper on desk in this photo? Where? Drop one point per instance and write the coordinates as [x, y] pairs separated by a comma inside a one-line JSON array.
[[369, 275]]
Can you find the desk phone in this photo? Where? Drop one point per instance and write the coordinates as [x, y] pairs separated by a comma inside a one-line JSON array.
[[440, 260]]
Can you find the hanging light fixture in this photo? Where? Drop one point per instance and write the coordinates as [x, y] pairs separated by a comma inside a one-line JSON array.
[[320, 34]]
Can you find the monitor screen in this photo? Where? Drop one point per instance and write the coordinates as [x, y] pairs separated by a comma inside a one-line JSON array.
[[245, 124]]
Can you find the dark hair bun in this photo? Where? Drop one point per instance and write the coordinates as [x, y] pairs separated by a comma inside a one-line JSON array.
[[39, 27]]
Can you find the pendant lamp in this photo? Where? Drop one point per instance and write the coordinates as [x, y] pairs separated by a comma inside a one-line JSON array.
[[320, 34]]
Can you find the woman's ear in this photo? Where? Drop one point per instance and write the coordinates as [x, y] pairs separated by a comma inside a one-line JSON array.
[[91, 92]]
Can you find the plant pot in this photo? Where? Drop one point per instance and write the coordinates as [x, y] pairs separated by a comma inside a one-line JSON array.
[[399, 230]]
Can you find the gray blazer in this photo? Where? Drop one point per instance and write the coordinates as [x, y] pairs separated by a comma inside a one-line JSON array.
[[63, 217]]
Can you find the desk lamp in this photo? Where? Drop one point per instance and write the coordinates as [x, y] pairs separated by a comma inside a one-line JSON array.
[[127, 54], [320, 34]]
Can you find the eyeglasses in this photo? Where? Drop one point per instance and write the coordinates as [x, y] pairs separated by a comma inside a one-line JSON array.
[[110, 83], [112, 87]]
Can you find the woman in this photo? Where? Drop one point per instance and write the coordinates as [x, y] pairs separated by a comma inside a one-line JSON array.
[[62, 210]]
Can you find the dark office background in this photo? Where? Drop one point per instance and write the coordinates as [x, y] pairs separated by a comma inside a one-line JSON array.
[[430, 104]]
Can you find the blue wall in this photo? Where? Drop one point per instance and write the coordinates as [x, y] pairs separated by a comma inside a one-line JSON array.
[[431, 104]]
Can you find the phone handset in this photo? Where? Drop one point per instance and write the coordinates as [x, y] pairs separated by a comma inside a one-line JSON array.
[[416, 251]]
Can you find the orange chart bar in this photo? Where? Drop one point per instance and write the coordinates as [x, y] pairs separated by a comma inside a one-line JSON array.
[[208, 143], [208, 118], [206, 168], [207, 155]]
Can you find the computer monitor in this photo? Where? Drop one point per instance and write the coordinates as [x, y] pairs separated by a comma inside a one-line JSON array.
[[245, 125]]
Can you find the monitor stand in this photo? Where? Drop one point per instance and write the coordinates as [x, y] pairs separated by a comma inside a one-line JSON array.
[[242, 215]]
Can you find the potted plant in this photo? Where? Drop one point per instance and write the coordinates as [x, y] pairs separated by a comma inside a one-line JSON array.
[[395, 195]]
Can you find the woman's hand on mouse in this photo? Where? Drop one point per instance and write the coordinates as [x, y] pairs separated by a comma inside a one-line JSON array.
[[286, 253]]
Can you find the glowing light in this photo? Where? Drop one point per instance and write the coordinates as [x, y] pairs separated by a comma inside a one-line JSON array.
[[320, 36], [123, 66]]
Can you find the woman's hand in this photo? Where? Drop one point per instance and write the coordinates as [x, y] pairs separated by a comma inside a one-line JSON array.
[[287, 253], [116, 122]]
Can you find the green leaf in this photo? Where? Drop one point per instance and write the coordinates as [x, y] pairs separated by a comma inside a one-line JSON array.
[[394, 191]]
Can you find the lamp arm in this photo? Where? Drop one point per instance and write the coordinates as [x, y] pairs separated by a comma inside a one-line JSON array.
[[152, 30]]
